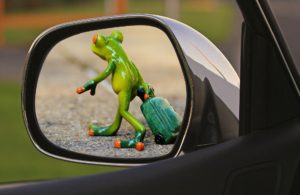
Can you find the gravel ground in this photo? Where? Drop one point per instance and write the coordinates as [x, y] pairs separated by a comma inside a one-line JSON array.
[[64, 116]]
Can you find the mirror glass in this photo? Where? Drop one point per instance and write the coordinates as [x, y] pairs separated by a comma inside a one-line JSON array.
[[117, 92]]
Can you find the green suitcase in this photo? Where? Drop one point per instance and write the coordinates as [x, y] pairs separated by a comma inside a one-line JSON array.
[[162, 119]]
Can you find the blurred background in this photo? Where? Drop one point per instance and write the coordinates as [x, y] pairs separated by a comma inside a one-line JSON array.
[[22, 20]]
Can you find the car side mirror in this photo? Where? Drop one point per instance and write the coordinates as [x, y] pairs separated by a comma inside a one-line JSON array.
[[188, 91]]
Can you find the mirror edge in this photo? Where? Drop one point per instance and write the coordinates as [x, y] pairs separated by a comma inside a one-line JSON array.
[[33, 64]]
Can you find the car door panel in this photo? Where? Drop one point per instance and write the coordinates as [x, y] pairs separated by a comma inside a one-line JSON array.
[[261, 163]]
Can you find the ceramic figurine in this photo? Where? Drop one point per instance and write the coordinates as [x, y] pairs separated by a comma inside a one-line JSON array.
[[127, 83]]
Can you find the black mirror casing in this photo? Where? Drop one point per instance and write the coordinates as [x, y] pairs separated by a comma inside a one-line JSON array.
[[201, 125]]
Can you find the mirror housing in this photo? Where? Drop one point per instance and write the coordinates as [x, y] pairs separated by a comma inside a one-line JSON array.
[[212, 87]]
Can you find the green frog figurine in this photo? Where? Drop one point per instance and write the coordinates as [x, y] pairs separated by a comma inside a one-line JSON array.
[[127, 83]]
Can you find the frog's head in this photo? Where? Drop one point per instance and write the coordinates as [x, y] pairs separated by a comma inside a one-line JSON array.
[[145, 91], [106, 46]]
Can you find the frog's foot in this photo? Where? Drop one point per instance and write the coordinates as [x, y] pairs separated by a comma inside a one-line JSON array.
[[95, 130], [132, 143]]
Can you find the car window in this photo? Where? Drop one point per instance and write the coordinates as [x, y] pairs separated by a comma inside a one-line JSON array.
[[287, 14]]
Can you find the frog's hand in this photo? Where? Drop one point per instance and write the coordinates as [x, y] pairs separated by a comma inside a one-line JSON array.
[[90, 85], [80, 90]]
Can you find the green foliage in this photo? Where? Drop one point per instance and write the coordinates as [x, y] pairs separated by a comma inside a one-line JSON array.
[[215, 21], [19, 160], [145, 6], [57, 6], [21, 36]]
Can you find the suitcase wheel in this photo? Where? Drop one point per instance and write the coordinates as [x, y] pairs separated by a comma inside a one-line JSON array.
[[159, 139]]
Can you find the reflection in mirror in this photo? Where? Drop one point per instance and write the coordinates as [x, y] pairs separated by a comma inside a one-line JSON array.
[[133, 62]]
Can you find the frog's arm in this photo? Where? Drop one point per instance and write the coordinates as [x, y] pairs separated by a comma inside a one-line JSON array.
[[108, 70], [91, 84]]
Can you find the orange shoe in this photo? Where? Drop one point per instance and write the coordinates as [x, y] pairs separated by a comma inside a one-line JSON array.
[[117, 143], [91, 132], [139, 146]]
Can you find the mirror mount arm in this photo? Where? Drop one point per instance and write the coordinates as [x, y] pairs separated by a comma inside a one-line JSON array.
[[204, 130]]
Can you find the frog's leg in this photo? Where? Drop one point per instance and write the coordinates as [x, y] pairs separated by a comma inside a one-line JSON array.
[[110, 130], [124, 101]]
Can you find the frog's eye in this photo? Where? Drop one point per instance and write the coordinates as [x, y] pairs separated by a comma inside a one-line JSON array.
[[95, 38], [117, 35], [99, 40]]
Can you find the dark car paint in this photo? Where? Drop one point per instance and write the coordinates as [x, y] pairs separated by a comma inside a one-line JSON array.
[[264, 160]]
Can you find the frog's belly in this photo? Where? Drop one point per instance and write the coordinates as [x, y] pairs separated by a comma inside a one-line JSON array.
[[123, 82]]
